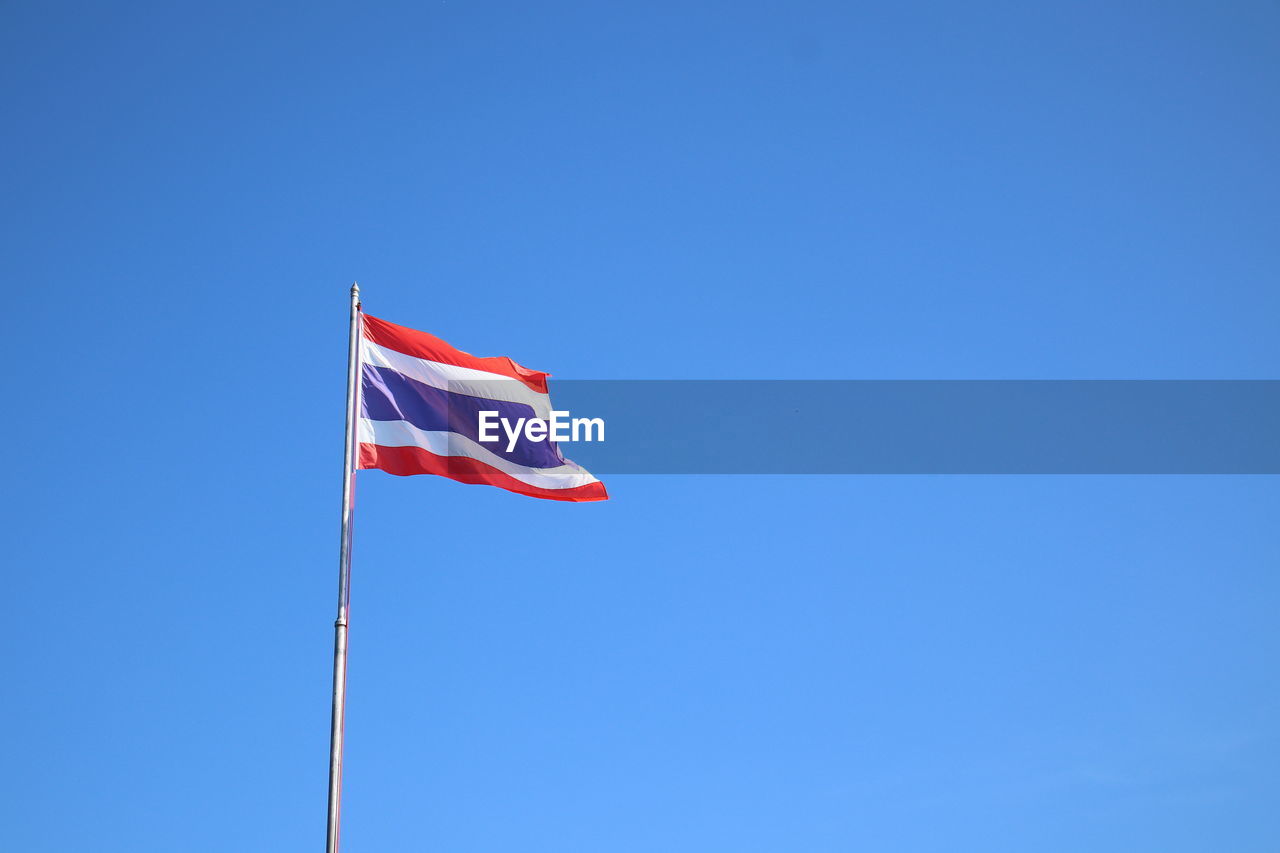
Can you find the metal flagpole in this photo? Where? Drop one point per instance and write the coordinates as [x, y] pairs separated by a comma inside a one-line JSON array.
[[344, 579]]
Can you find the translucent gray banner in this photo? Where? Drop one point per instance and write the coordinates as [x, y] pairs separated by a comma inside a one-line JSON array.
[[926, 427]]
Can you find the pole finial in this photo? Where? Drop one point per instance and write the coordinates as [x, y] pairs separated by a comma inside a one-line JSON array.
[[355, 288]]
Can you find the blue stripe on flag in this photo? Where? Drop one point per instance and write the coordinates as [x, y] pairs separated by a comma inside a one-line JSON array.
[[387, 395]]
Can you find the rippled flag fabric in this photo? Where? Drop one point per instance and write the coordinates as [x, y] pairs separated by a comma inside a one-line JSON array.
[[420, 400]]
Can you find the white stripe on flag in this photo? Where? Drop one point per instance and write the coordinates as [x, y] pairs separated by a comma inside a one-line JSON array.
[[459, 380], [444, 443]]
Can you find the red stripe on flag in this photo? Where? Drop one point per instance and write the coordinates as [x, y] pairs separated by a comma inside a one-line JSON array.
[[421, 345], [407, 461]]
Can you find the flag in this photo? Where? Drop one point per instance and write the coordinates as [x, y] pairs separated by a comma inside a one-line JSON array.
[[420, 404]]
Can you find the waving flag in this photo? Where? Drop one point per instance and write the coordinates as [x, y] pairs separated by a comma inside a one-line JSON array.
[[420, 405]]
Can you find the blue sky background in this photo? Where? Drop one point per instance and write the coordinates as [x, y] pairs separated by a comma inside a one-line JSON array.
[[706, 190]]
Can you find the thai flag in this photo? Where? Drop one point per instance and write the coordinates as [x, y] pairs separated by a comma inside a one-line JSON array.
[[420, 401]]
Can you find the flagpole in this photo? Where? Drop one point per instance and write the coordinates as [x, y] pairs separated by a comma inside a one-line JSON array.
[[338, 720]]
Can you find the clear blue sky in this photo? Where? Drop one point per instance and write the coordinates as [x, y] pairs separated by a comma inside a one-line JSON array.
[[605, 190]]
